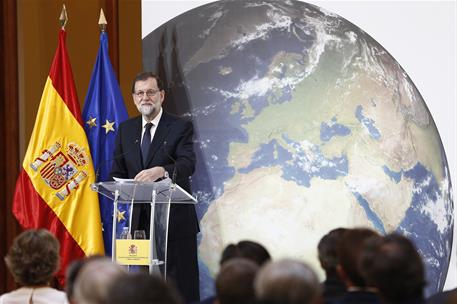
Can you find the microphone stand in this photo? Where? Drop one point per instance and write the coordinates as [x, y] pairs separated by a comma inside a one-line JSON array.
[[115, 157], [175, 171]]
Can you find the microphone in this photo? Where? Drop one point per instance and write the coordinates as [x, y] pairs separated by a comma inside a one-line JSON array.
[[115, 157], [175, 171]]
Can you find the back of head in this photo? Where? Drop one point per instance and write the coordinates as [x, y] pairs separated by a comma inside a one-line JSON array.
[[72, 273], [33, 258], [235, 282], [288, 282], [349, 253], [246, 249], [393, 265], [94, 278], [141, 288], [327, 249]]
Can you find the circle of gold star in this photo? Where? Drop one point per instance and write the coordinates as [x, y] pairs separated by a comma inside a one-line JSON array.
[[91, 122], [120, 215], [108, 126]]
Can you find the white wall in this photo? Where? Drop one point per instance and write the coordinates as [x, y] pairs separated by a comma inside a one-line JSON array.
[[420, 35]]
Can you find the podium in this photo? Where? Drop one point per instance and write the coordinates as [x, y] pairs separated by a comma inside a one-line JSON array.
[[160, 196]]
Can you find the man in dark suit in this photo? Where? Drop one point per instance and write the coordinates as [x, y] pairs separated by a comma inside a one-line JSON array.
[[333, 287], [148, 147], [393, 265], [349, 251]]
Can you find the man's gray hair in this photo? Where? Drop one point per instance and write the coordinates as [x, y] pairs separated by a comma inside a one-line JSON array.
[[287, 281], [94, 279]]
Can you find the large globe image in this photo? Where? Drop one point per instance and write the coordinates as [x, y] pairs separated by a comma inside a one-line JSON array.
[[303, 123]]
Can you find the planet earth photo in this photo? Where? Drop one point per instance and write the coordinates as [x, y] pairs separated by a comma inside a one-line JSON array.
[[303, 123]]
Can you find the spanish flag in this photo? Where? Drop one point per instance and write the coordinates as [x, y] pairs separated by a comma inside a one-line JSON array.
[[53, 188]]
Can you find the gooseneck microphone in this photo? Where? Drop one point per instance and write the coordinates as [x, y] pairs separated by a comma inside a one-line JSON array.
[[175, 171], [115, 157]]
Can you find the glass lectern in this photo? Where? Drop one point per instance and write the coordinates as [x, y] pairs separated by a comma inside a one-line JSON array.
[[160, 195]]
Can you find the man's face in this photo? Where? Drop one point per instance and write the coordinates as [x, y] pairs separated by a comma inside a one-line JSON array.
[[148, 98]]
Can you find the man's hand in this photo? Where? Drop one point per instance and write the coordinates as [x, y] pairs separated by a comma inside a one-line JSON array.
[[150, 175]]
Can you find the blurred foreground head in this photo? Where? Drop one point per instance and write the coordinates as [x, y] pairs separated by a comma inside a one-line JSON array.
[[94, 279], [246, 249], [349, 251], [393, 265], [287, 282], [235, 282], [33, 259], [327, 249], [141, 288]]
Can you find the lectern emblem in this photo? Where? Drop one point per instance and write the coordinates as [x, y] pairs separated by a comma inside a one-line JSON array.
[[133, 249]]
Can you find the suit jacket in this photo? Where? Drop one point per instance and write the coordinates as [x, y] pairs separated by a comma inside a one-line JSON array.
[[171, 148], [333, 288], [359, 297]]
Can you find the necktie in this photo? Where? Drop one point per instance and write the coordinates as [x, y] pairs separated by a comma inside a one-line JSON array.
[[146, 143]]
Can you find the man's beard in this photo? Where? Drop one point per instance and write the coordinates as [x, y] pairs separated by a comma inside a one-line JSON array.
[[146, 109]]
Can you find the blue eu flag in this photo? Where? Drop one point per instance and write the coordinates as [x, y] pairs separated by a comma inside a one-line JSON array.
[[103, 111]]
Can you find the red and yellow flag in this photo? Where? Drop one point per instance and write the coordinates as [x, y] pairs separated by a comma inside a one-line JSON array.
[[53, 189]]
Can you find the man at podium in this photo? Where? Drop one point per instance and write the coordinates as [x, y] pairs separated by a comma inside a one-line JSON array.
[[147, 147]]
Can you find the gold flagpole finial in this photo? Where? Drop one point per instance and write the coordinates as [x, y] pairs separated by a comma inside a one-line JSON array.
[[63, 17], [102, 21]]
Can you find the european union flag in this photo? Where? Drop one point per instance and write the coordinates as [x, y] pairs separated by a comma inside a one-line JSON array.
[[104, 110]]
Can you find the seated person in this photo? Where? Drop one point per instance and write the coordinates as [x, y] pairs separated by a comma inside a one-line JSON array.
[[332, 288], [246, 249], [444, 297], [141, 288], [250, 250], [393, 265], [350, 250], [287, 282], [33, 259], [72, 273], [235, 282], [93, 280]]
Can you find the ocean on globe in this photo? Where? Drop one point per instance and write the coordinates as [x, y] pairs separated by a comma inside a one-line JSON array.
[[303, 123]]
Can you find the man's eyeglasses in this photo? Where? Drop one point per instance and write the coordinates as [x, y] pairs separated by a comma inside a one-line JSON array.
[[149, 93]]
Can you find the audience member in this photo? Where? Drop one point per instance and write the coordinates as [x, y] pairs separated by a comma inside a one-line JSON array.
[[349, 252], [444, 297], [287, 282], [235, 282], [393, 265], [72, 273], [250, 250], [141, 288], [333, 287], [93, 280], [33, 259], [246, 249]]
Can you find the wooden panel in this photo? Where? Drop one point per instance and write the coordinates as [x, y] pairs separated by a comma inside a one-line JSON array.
[[9, 134], [29, 31], [112, 15], [130, 50]]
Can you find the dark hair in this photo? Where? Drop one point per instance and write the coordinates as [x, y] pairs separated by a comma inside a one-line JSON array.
[[393, 265], [145, 76], [327, 249], [235, 282], [246, 249], [349, 252], [33, 258], [141, 288]]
